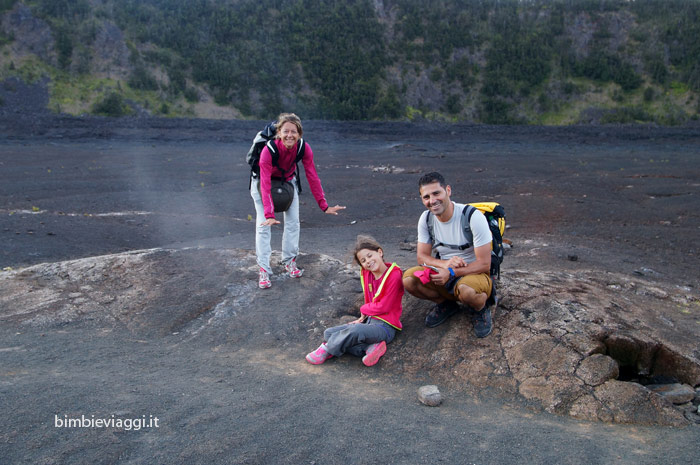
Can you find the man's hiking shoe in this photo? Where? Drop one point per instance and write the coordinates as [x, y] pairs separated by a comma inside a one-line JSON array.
[[483, 323], [440, 313], [263, 279], [373, 353], [483, 320], [318, 356], [292, 269]]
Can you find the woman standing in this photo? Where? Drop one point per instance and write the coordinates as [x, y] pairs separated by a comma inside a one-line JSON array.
[[289, 132]]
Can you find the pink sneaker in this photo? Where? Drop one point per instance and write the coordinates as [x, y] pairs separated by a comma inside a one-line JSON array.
[[318, 356], [373, 353], [263, 279], [292, 269]]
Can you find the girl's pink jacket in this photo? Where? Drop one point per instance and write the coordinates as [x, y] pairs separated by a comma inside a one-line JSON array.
[[383, 296]]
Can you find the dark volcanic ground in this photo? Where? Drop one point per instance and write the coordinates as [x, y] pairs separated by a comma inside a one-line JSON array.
[[620, 199], [607, 198]]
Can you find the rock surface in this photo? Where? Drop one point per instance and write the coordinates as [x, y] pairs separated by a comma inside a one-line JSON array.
[[597, 369], [675, 393], [557, 343]]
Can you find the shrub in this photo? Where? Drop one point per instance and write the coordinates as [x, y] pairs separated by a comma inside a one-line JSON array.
[[222, 98], [6, 5], [649, 94], [604, 66], [112, 105], [626, 115], [141, 79], [495, 110], [693, 78], [627, 77], [569, 88], [436, 74], [191, 95], [388, 105], [672, 116], [453, 105], [657, 69], [177, 80], [64, 46]]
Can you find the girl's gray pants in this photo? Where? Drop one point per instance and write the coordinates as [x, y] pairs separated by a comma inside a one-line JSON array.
[[354, 338]]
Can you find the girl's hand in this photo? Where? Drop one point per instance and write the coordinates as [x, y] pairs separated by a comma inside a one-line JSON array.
[[359, 320], [269, 222], [334, 210]]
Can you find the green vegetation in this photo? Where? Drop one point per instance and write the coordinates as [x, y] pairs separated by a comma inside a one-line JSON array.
[[494, 61], [111, 105], [6, 5], [262, 46]]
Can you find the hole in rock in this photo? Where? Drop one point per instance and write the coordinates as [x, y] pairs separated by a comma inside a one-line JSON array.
[[646, 362], [631, 375]]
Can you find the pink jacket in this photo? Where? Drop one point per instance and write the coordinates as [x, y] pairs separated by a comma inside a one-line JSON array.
[[383, 296], [286, 162]]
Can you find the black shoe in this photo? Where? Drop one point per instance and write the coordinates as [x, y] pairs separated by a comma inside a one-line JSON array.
[[440, 313], [483, 320], [483, 323]]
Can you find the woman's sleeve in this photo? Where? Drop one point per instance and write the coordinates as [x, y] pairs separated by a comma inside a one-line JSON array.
[[265, 184], [312, 176]]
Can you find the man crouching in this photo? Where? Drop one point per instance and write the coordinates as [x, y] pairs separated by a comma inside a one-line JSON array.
[[454, 251]]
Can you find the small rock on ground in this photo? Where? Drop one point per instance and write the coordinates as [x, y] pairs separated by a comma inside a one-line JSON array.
[[430, 395]]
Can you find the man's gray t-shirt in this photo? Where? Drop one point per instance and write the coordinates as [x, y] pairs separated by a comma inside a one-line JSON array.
[[451, 233]]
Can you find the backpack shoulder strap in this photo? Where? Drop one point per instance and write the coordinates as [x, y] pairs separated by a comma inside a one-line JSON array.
[[429, 223], [301, 151], [467, 213], [466, 218], [274, 153], [434, 245]]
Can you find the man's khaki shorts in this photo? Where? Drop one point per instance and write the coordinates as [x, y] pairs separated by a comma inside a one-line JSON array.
[[479, 282]]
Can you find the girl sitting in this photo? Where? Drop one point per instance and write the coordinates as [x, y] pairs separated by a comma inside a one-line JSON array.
[[368, 336]]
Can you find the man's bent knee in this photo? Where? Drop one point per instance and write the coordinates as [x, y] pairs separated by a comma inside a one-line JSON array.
[[410, 285], [471, 297]]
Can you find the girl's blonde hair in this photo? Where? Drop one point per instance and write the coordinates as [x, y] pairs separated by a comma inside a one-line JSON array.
[[365, 242], [289, 118]]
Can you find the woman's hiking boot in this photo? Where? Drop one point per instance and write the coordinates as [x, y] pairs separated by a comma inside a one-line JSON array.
[[263, 279], [292, 269]]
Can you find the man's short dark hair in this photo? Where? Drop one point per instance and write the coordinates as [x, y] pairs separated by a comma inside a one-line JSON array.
[[431, 178]]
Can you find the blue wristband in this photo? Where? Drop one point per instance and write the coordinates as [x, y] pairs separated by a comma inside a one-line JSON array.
[[452, 272]]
